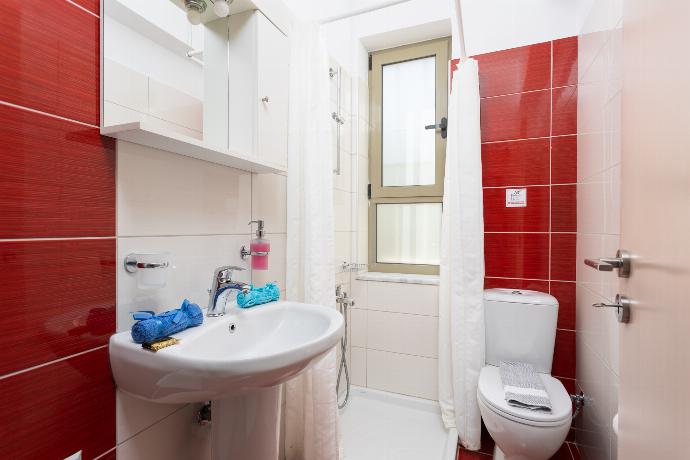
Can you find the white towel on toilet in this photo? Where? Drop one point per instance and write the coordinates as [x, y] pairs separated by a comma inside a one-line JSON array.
[[523, 387]]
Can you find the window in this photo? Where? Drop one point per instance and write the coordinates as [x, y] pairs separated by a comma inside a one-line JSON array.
[[408, 92]]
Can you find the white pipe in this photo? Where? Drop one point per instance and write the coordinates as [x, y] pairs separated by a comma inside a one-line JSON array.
[[363, 10], [462, 52]]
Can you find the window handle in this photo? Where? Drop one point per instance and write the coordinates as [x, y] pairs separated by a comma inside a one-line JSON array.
[[443, 126]]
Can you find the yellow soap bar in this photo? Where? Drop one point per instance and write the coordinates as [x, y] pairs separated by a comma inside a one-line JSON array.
[[160, 343]]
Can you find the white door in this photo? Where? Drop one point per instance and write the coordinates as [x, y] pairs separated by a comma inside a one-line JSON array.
[[273, 53], [654, 395]]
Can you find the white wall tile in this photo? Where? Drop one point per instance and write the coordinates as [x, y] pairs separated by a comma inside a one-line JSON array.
[[193, 259], [177, 437], [342, 210], [163, 194], [134, 415], [405, 374], [343, 181], [343, 247], [402, 333], [269, 201], [403, 298], [358, 327], [359, 293], [358, 366]]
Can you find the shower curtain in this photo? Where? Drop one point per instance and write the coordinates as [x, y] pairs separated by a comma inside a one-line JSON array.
[[311, 406], [461, 284]]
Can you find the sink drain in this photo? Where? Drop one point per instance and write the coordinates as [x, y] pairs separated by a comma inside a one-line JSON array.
[[232, 328]]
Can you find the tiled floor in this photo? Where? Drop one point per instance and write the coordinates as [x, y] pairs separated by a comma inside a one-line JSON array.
[[568, 451]]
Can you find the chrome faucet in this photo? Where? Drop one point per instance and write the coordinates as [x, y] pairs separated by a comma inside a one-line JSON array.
[[222, 281]]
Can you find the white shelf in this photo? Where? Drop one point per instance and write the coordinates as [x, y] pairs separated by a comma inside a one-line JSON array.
[[143, 134]]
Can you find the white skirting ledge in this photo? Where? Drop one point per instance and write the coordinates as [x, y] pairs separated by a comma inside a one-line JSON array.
[[398, 278]]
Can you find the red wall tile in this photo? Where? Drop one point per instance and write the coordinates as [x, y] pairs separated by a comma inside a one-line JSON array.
[[516, 70], [538, 261], [516, 283], [516, 163], [50, 58], [518, 116], [59, 299], [564, 208], [564, 160], [563, 256], [565, 62], [517, 255], [532, 218], [92, 5], [54, 411], [564, 354], [565, 294], [57, 178], [564, 111]]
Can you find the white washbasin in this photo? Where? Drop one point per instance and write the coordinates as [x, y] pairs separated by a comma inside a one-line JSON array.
[[269, 344]]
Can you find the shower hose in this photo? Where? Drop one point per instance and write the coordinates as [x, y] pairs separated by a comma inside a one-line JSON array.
[[343, 361]]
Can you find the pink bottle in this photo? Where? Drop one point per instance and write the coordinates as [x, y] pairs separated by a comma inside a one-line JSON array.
[[259, 247]]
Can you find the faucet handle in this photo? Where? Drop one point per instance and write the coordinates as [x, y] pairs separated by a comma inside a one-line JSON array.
[[225, 272]]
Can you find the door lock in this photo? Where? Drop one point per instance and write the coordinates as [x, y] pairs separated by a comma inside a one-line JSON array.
[[622, 307]]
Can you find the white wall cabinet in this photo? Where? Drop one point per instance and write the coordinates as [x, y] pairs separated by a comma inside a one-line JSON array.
[[258, 88]]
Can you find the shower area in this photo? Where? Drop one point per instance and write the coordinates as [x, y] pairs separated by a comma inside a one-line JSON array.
[[387, 362]]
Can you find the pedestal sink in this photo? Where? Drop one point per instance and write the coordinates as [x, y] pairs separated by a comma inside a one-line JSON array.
[[237, 361]]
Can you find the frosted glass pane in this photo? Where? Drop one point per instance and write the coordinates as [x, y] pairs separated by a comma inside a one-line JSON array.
[[408, 233], [409, 103]]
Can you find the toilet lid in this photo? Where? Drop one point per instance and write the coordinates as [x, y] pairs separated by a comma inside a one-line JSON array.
[[491, 392]]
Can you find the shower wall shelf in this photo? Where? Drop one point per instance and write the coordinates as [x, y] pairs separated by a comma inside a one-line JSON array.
[[150, 136]]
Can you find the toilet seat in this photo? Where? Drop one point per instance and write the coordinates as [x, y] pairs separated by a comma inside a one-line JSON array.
[[490, 391]]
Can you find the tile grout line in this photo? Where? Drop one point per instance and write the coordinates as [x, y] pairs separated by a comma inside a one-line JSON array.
[[47, 114], [55, 361], [550, 164], [83, 8]]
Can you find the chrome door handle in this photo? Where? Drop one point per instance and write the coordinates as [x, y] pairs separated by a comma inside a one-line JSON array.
[[443, 126], [606, 264], [622, 307]]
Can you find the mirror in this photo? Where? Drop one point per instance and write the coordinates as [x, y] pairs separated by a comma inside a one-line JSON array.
[[157, 70]]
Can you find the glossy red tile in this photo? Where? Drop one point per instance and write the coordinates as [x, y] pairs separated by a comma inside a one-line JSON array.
[[575, 451], [515, 163], [91, 5], [517, 116], [563, 256], [565, 62], [112, 455], [470, 455], [564, 160], [569, 385], [532, 218], [564, 355], [59, 409], [565, 294], [564, 208], [516, 255], [50, 58], [516, 70], [562, 454], [516, 283], [59, 299], [57, 178], [564, 111]]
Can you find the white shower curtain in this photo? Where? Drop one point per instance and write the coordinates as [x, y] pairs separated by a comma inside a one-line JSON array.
[[311, 408], [461, 285]]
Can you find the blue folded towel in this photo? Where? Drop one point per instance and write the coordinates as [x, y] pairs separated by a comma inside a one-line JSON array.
[[258, 296], [151, 327]]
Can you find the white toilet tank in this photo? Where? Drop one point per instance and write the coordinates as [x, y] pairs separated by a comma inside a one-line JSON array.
[[520, 326]]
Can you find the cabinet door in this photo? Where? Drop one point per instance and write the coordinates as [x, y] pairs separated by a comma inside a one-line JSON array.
[[273, 68]]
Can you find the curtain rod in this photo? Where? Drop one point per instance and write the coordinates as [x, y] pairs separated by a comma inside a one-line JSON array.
[[359, 11]]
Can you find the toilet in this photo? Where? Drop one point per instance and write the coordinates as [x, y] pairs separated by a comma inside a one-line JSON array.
[[521, 326]]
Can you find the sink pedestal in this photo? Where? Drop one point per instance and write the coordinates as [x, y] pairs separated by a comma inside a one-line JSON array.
[[247, 427]]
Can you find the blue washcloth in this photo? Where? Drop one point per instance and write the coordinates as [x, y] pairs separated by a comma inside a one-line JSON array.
[[152, 327], [258, 296]]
